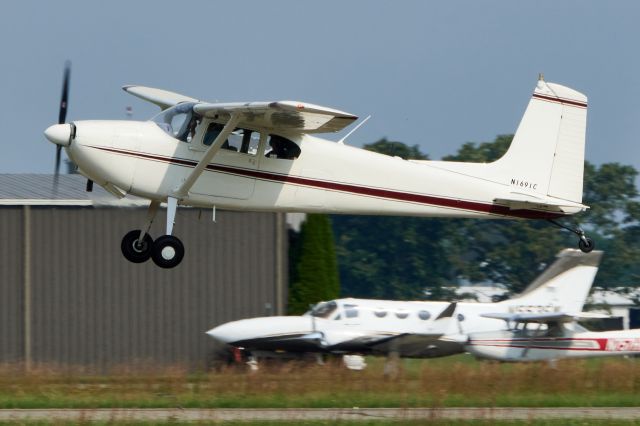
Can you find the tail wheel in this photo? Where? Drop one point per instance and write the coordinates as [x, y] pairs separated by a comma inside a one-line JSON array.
[[136, 251], [167, 251], [586, 244]]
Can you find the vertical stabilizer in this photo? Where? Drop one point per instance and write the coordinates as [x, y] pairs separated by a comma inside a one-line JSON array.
[[546, 156], [564, 284]]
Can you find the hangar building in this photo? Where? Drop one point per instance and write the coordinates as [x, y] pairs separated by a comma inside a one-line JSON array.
[[68, 297]]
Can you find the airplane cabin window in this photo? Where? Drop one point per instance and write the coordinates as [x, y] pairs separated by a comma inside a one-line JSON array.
[[424, 315], [240, 140], [249, 142], [380, 313], [351, 311], [460, 317], [402, 314], [281, 148]]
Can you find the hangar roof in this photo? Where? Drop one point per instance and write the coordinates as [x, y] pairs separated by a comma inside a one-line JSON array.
[[37, 189]]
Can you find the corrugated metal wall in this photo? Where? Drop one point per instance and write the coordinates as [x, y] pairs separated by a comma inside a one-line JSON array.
[[91, 307]]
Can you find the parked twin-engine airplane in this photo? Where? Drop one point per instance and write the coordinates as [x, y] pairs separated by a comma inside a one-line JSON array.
[[409, 329], [264, 156], [550, 336]]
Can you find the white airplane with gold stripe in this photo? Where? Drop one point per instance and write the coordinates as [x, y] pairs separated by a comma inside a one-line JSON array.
[[265, 156]]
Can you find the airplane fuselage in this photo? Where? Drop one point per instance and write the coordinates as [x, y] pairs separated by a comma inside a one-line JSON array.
[[533, 345], [139, 158]]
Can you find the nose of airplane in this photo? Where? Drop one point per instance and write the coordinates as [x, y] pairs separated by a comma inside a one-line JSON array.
[[59, 134], [225, 333]]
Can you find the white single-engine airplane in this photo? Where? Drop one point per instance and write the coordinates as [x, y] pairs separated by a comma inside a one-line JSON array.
[[550, 336], [264, 156], [409, 329]]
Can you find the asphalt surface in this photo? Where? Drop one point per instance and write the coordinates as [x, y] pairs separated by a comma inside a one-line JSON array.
[[344, 414]]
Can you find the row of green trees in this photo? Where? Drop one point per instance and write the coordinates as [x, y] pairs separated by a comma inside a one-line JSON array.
[[405, 257]]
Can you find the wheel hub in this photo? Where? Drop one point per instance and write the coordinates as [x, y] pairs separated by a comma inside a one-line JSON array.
[[168, 253], [139, 246]]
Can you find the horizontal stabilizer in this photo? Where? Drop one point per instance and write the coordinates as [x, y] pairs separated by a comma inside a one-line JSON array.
[[517, 201], [544, 317], [163, 98]]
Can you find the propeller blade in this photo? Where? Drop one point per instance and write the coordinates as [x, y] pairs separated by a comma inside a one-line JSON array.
[[57, 169], [89, 187], [62, 116]]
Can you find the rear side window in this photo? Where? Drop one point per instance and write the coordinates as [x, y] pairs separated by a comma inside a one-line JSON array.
[[282, 148]]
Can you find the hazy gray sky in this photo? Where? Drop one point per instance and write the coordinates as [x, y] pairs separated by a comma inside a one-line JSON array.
[[436, 74]]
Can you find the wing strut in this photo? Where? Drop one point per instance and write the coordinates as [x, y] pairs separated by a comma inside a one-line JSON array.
[[172, 200]]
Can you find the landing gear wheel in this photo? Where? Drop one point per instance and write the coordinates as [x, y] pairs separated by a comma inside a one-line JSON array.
[[167, 251], [136, 251], [586, 244]]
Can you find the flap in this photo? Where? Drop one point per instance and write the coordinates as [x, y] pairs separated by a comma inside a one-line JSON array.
[[288, 116], [163, 98]]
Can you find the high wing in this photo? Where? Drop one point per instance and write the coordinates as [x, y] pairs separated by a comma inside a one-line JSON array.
[[163, 98], [544, 317], [299, 117], [290, 116]]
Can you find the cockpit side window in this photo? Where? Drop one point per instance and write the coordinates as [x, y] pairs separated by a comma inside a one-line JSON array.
[[282, 148], [240, 140], [212, 133]]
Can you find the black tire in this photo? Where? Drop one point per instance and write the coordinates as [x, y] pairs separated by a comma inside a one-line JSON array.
[[586, 244], [167, 251], [134, 251]]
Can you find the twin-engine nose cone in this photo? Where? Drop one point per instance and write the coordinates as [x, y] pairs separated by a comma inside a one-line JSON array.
[[60, 134]]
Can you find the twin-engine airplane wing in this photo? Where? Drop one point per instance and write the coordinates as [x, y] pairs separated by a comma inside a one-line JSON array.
[[416, 344], [289, 116], [545, 317]]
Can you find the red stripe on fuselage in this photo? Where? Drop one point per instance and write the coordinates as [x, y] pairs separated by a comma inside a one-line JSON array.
[[560, 100], [348, 188], [524, 343]]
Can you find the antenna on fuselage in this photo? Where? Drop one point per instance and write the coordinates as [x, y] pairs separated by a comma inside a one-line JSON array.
[[341, 141]]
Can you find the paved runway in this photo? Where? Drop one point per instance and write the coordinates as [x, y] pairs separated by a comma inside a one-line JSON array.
[[333, 414]]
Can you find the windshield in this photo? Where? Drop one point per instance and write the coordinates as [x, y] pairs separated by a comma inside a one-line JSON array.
[[324, 309], [178, 121]]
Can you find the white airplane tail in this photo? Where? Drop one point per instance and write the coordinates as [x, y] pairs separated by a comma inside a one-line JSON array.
[[563, 286], [546, 156]]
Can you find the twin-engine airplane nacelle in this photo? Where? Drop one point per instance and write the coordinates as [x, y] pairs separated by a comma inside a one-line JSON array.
[[264, 156]]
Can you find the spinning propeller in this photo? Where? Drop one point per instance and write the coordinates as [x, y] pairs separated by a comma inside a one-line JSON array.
[[62, 134], [62, 116]]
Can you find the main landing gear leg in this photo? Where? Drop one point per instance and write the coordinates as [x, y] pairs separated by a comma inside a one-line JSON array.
[[168, 251], [585, 243], [137, 245]]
